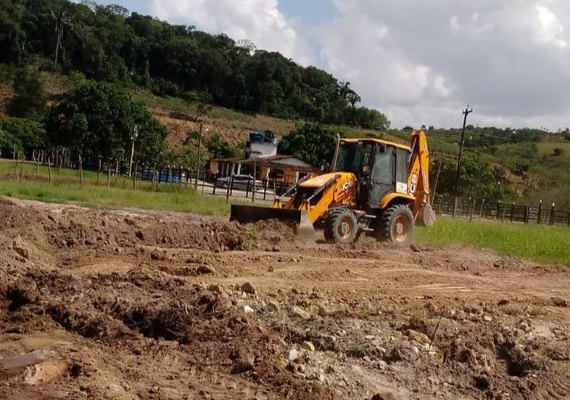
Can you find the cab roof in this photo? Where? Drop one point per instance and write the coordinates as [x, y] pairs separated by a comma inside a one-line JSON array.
[[370, 140]]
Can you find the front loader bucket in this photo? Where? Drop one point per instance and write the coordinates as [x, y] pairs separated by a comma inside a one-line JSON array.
[[251, 214]]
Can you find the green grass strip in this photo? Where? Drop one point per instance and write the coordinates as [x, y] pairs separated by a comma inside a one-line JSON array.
[[549, 244]]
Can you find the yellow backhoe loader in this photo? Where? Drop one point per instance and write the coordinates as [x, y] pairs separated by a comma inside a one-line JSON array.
[[375, 185]]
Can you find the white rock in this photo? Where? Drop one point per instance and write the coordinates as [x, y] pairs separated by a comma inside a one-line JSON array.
[[308, 346], [247, 309], [299, 312], [293, 355]]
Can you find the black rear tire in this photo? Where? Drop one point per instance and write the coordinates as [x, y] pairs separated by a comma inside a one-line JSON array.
[[396, 225], [341, 226]]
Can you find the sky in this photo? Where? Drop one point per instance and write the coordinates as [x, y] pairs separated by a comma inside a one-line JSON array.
[[421, 62]]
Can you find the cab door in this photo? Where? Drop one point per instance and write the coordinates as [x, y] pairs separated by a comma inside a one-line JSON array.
[[382, 174]]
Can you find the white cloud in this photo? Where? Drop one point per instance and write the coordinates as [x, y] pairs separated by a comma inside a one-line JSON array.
[[549, 28], [257, 20], [507, 58], [420, 62]]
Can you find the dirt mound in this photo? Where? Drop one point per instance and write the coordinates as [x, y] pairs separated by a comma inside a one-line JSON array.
[[275, 231], [170, 306], [204, 324]]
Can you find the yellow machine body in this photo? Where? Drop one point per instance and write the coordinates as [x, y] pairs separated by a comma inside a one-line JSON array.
[[356, 184]]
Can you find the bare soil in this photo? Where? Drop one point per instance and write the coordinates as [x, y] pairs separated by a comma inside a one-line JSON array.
[[167, 306]]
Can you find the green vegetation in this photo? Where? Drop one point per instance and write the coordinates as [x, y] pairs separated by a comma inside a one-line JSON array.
[[521, 165], [64, 54], [312, 143], [553, 149], [65, 188], [19, 135], [89, 195], [107, 43], [29, 96], [540, 243], [101, 121]]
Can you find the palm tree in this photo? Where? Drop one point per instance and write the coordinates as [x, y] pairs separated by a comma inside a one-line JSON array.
[[345, 92]]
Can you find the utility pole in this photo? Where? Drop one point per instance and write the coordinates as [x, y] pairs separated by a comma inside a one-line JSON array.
[[197, 165], [466, 112], [133, 138]]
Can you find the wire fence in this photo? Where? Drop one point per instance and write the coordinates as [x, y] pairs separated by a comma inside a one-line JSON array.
[[498, 211], [267, 190]]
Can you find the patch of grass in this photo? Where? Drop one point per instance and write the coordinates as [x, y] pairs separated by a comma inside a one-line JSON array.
[[547, 148], [540, 243], [90, 195], [251, 234], [12, 168], [176, 104]]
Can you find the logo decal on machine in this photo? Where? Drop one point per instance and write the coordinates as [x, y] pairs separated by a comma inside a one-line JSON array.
[[346, 186], [414, 184]]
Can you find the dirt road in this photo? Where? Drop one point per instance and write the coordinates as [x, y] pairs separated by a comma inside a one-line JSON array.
[[127, 305]]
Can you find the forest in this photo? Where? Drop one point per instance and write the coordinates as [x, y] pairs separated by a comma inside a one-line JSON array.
[[108, 43]]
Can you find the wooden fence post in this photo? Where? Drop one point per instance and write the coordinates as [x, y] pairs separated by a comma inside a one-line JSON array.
[[527, 215], [512, 211], [254, 180], [37, 160], [228, 192], [472, 210], [539, 218], [482, 205], [22, 158], [80, 170], [49, 166], [551, 220]]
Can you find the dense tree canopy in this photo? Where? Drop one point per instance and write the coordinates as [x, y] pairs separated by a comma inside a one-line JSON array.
[[478, 180], [312, 143], [18, 135], [30, 98], [106, 43], [100, 120]]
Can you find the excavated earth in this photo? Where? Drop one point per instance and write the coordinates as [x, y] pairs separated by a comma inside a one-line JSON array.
[[134, 305]]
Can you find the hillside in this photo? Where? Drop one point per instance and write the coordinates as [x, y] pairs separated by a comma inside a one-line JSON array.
[[177, 114], [526, 170], [523, 165], [108, 43], [174, 71]]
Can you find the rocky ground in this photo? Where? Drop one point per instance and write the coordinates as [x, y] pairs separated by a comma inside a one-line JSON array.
[[132, 305]]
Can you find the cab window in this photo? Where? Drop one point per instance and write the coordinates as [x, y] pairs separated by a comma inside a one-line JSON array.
[[402, 165], [383, 167]]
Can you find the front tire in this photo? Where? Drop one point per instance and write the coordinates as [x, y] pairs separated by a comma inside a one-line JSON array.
[[341, 226], [396, 225]]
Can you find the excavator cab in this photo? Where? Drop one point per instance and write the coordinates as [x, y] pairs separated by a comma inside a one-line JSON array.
[[375, 186]]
